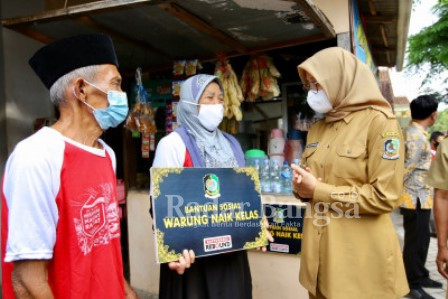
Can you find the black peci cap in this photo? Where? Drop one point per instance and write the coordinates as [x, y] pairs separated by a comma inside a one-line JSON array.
[[63, 56]]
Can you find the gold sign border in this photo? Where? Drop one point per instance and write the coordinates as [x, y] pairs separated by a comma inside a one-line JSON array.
[[253, 174], [164, 253], [157, 176]]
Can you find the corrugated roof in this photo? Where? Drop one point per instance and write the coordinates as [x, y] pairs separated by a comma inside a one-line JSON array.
[[386, 23], [152, 33]]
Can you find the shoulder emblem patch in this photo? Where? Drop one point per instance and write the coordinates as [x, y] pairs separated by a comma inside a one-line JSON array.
[[391, 149]]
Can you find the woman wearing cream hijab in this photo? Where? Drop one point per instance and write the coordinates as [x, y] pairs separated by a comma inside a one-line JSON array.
[[352, 176]]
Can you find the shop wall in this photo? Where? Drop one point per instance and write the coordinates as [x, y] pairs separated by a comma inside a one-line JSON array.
[[3, 147], [144, 270], [22, 96], [3, 150], [274, 275], [337, 12], [25, 97]]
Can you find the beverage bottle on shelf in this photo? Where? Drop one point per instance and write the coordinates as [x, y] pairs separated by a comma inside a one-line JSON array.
[[256, 165], [265, 180], [296, 161], [276, 183], [286, 178]]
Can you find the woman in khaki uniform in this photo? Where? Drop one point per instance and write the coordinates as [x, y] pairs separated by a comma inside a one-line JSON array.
[[353, 177]]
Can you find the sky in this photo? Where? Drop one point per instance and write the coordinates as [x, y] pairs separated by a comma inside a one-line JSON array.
[[405, 83]]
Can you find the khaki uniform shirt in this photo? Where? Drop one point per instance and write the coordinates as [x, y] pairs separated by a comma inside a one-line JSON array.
[[350, 248], [438, 173], [417, 163]]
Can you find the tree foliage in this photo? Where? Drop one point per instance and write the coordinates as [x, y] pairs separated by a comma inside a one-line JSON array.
[[430, 45], [441, 123]]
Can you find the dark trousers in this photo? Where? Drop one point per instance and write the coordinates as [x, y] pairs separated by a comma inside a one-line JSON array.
[[416, 244]]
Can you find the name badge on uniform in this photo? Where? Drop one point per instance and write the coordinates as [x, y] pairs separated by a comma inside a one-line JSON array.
[[311, 145], [390, 134], [391, 149]]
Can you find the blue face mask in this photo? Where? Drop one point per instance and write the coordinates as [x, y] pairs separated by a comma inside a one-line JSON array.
[[113, 115]]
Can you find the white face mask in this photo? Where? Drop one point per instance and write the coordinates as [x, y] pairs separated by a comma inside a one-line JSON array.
[[210, 115], [319, 101]]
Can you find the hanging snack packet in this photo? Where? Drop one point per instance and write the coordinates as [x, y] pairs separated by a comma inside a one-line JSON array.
[[179, 67], [176, 88], [191, 67], [141, 118]]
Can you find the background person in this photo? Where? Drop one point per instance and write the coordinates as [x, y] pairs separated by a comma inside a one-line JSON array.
[[353, 166], [435, 139], [417, 196]]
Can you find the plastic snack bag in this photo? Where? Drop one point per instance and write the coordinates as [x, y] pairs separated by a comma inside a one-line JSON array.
[[179, 67], [176, 88], [191, 67], [141, 118]]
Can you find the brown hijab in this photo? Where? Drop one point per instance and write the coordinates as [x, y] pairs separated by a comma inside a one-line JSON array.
[[348, 83]]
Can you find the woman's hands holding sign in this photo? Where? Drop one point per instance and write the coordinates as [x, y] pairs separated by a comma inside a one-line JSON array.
[[184, 262]]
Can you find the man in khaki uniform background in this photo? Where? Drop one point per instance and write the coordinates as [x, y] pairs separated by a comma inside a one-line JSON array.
[[417, 197], [438, 178]]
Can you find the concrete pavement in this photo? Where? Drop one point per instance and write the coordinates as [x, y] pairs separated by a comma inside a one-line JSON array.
[[431, 260]]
